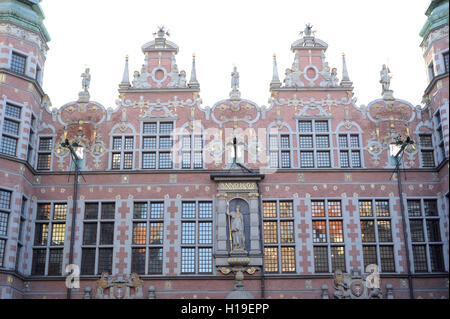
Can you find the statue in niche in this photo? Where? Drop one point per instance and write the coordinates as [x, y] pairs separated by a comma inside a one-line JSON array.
[[85, 83], [385, 78], [237, 229]]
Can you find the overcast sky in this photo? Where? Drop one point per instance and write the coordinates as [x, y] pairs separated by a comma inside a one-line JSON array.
[[99, 34]]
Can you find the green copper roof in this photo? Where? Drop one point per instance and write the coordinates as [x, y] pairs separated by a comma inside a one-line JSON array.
[[26, 13], [437, 13]]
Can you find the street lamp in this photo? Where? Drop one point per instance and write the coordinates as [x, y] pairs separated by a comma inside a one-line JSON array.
[[398, 149], [77, 153]]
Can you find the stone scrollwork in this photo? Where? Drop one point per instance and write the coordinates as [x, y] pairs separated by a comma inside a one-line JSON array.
[[119, 287], [353, 287]]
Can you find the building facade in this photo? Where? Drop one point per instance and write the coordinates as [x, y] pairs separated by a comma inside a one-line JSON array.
[[179, 200]]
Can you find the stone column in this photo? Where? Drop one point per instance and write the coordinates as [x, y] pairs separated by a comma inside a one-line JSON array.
[[253, 201], [222, 236]]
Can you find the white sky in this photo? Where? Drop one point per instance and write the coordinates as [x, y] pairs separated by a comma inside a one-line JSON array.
[[99, 34]]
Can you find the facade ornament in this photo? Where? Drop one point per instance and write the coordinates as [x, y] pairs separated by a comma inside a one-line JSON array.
[[84, 96], [275, 83], [125, 84], [119, 286], [385, 80], [345, 77], [235, 94], [193, 83], [353, 286], [236, 224], [329, 77]]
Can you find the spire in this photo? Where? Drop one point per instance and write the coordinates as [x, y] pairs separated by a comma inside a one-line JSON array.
[[193, 83], [125, 84], [275, 83], [345, 78]]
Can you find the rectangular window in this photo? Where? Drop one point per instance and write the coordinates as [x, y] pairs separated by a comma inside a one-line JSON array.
[[328, 235], [120, 158], [18, 63], [307, 159], [44, 153], [5, 210], [49, 239], [349, 150], [424, 226], [196, 237], [427, 150], [315, 147], [376, 234], [148, 237], [446, 62], [98, 238], [279, 237], [9, 145]]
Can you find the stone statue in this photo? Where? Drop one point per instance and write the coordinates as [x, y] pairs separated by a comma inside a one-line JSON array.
[[86, 80], [237, 229], [385, 78], [288, 80], [334, 81], [235, 79], [182, 79]]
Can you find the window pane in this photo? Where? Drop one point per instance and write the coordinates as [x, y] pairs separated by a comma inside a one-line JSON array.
[[128, 160], [271, 259], [321, 126], [305, 126], [166, 128], [338, 258], [437, 259], [138, 260], [156, 210], [90, 234], [416, 227], [204, 260], [384, 231], [9, 145], [287, 232], [387, 258], [43, 211], [370, 255], [354, 141], [321, 259], [186, 160], [38, 266], [156, 233], [2, 253], [323, 159], [149, 143], [165, 160], [306, 141], [186, 142], [270, 233], [319, 231], [322, 141], [41, 235], [88, 261], [149, 128], [356, 159], [18, 63], [129, 143], [420, 258], [365, 208], [58, 233], [285, 159], [430, 207], [91, 211], [205, 233], [433, 230], [55, 262], [428, 158], [284, 139], [287, 259], [11, 127], [13, 111], [5, 199], [205, 210], [188, 233], [106, 233], [198, 160], [116, 158], [59, 212], [108, 210], [117, 143], [286, 209], [318, 208], [414, 208], [336, 232], [273, 142], [343, 142], [334, 208], [155, 261], [140, 211], [270, 209], [139, 234], [343, 156], [3, 223], [382, 208], [367, 231], [188, 260], [105, 260], [165, 142], [149, 160], [425, 140], [44, 161], [188, 210], [274, 159]]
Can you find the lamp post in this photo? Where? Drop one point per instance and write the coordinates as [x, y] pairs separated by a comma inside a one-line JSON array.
[[398, 148], [77, 152]]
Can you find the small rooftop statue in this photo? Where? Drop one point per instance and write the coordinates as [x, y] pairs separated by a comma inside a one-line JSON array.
[[162, 32], [84, 96], [385, 80]]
